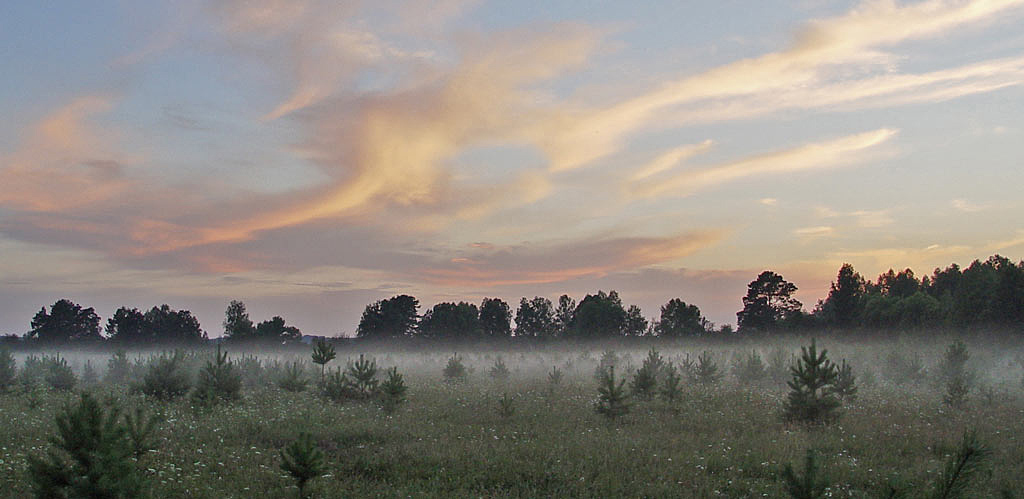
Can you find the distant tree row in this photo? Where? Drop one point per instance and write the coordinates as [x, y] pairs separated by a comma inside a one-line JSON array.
[[600, 315], [986, 293], [67, 321]]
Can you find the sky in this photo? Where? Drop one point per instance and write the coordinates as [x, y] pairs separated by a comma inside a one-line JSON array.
[[310, 157]]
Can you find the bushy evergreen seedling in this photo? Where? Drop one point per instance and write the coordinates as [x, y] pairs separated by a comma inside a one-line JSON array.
[[609, 359], [140, 429], [706, 370], [118, 368], [165, 378], [362, 375], [954, 375], [749, 369], [555, 376], [903, 370], [92, 456], [671, 389], [218, 381], [612, 399], [845, 386], [8, 370], [655, 363], [499, 371], [807, 485], [89, 376], [294, 379], [454, 370], [33, 372], [811, 399], [303, 461], [337, 386], [323, 353], [778, 366], [392, 390], [506, 406], [59, 375], [961, 469], [644, 382]]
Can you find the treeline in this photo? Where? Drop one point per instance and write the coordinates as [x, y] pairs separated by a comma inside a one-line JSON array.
[[987, 293]]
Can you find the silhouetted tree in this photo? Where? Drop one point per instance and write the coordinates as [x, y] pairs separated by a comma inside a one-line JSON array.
[[166, 325], [535, 318], [844, 298], [128, 325], [636, 323], [769, 300], [495, 318], [564, 315], [237, 325], [389, 318], [66, 321], [276, 330], [600, 316], [451, 320], [680, 319]]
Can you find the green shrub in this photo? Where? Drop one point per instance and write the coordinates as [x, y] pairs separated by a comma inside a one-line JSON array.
[[392, 390], [59, 375], [294, 379], [811, 398], [218, 381], [749, 369], [303, 461], [8, 370], [499, 371], [140, 430], [118, 368], [362, 376], [670, 389], [454, 370], [506, 406], [612, 399], [845, 386], [165, 378], [555, 376], [808, 485], [962, 469], [705, 371], [92, 456], [323, 353], [644, 382]]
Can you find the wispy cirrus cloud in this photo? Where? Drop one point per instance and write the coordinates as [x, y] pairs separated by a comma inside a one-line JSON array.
[[803, 75], [815, 156]]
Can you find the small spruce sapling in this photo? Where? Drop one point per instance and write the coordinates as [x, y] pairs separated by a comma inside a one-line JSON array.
[[218, 381], [165, 379], [506, 406], [670, 389], [362, 376], [8, 370], [337, 386], [454, 370], [961, 469], [323, 353], [612, 399], [91, 456], [845, 386], [294, 379], [499, 371], [749, 369], [706, 370], [555, 376], [811, 399], [392, 390], [304, 461], [807, 485], [59, 374], [140, 430], [954, 374], [644, 382], [89, 376], [118, 368]]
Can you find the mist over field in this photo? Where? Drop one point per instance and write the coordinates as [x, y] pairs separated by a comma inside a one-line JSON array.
[[474, 248]]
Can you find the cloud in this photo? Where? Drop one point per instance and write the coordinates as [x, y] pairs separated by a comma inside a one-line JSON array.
[[550, 263], [769, 201], [804, 74], [671, 159], [815, 156], [65, 162], [968, 207], [815, 232]]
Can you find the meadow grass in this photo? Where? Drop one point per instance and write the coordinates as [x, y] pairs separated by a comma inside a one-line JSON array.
[[449, 439]]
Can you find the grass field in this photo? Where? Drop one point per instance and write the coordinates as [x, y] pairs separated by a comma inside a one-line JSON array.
[[450, 439]]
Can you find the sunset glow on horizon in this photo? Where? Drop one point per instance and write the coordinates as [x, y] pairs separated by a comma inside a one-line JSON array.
[[310, 157]]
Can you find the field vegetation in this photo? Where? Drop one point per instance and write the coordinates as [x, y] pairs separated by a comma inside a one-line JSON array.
[[638, 417]]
